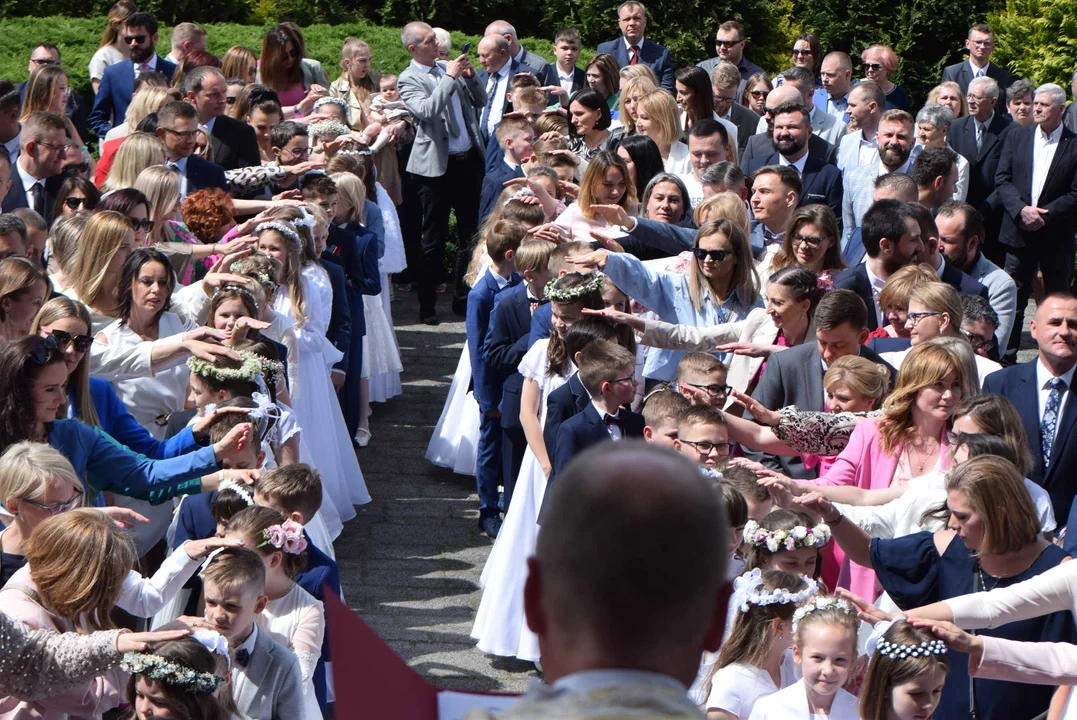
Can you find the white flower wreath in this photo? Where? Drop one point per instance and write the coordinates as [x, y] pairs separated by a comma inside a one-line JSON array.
[[748, 590]]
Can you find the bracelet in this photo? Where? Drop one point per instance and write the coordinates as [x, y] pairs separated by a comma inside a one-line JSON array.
[[835, 522]]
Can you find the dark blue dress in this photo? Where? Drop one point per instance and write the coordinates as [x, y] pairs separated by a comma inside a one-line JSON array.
[[912, 572]]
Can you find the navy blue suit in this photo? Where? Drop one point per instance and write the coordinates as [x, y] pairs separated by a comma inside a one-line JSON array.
[[340, 320], [566, 401], [202, 174], [856, 279], [505, 345], [487, 383], [888, 344], [853, 251], [1018, 385], [965, 284], [114, 94], [540, 324], [651, 54], [16, 194], [484, 77], [493, 184], [821, 180]]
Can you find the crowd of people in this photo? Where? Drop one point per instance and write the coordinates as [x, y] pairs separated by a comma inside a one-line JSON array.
[[740, 378]]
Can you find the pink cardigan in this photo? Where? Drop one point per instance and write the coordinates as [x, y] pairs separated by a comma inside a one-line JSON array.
[[1041, 663]]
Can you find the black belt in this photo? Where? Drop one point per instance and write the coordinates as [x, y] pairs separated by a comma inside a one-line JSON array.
[[460, 156]]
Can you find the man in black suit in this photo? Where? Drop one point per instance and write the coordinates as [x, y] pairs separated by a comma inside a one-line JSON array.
[[520, 54], [1040, 390], [9, 119], [1037, 186], [948, 273], [498, 70], [729, 44], [725, 83], [891, 235], [234, 143], [820, 181], [35, 176], [632, 48], [177, 126], [564, 73], [1069, 119], [980, 44], [762, 144]]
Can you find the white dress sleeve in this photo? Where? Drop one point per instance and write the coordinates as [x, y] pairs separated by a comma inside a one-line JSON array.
[[191, 302], [1043, 594], [534, 364], [725, 693], [144, 597], [307, 639]]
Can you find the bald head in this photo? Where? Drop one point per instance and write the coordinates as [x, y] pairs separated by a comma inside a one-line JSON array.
[[500, 27], [601, 591], [493, 53], [787, 92]]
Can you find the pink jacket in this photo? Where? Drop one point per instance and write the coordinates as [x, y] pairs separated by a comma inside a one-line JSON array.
[[1041, 663]]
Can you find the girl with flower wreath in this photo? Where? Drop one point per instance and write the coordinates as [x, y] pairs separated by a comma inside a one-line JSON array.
[[305, 298], [185, 679], [293, 617], [500, 627], [754, 660]]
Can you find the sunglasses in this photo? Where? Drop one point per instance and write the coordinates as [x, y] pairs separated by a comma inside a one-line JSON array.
[[978, 343], [74, 203], [136, 39], [801, 53], [143, 225], [715, 255], [872, 66], [77, 169], [46, 352], [231, 99], [727, 44], [65, 339], [759, 94], [182, 134], [57, 508]]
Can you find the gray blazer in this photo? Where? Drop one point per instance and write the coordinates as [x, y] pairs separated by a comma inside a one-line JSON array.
[[274, 687], [431, 105]]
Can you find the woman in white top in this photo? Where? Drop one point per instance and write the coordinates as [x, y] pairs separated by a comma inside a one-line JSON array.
[[932, 125], [95, 278], [113, 48], [659, 118]]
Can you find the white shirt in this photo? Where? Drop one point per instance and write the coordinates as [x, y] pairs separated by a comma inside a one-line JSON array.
[[1043, 376], [614, 430], [867, 151], [798, 165], [566, 82], [594, 679], [497, 109], [501, 282], [628, 47], [1043, 152], [979, 72], [462, 142], [28, 182], [208, 125], [239, 673], [693, 186], [876, 288]]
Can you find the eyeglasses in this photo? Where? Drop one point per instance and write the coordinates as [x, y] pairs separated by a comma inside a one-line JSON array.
[[978, 342], [758, 94], [298, 152], [57, 508], [716, 255], [723, 99], [983, 43], [143, 225], [706, 448], [812, 242], [715, 391], [43, 61], [913, 318], [182, 134], [74, 203], [137, 39], [45, 352], [60, 148], [801, 53], [76, 169], [626, 378], [872, 66], [64, 340]]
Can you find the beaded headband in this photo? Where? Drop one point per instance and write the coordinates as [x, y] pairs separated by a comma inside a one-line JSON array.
[[241, 289], [239, 489], [328, 127], [775, 540], [170, 673], [288, 536], [339, 102], [748, 590], [825, 602], [248, 371], [355, 152], [900, 652], [283, 229], [568, 295]]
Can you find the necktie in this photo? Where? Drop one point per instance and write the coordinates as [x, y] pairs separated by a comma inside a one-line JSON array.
[[143, 68], [243, 657], [1050, 417], [979, 134], [980, 73], [454, 129], [39, 198], [490, 95], [634, 60]]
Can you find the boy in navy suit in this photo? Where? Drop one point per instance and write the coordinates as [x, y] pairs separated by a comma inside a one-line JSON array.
[[660, 412], [515, 136], [703, 436], [607, 371], [502, 241], [505, 345]]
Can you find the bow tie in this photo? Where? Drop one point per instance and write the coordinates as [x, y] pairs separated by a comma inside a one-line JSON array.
[[243, 657], [613, 420], [772, 238], [536, 303]]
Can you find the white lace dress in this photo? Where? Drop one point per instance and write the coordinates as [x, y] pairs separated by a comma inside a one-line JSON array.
[[313, 399], [297, 621], [500, 626], [455, 441]]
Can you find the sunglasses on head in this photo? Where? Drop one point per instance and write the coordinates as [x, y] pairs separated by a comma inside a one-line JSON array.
[[136, 225], [137, 39], [64, 339], [46, 351], [74, 203], [715, 255]]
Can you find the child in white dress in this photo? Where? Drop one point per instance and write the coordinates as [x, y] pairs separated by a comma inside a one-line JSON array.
[[292, 617], [906, 675], [754, 661], [824, 646], [500, 627], [306, 298]]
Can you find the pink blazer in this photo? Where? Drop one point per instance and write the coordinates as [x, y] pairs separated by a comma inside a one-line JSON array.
[[1027, 662]]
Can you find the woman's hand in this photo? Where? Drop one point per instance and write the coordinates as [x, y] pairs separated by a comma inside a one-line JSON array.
[[747, 349], [187, 623], [614, 214], [242, 327], [551, 135], [201, 427], [235, 245], [818, 505], [123, 517], [234, 442], [865, 610], [557, 90], [955, 638], [312, 118], [137, 642], [571, 189], [306, 105], [198, 549], [618, 318], [550, 233], [782, 490], [591, 261], [302, 169], [607, 242], [759, 412], [295, 194]]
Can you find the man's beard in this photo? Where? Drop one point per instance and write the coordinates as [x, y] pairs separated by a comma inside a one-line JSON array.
[[893, 158]]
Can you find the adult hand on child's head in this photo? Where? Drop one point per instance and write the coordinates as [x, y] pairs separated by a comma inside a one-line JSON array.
[[613, 214], [761, 413], [234, 442], [780, 491], [591, 261], [816, 504], [955, 638], [123, 517], [549, 232], [138, 642], [202, 425], [608, 242], [197, 549], [865, 611], [210, 351]]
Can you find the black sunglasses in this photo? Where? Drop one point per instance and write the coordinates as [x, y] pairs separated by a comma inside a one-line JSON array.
[[231, 99], [45, 352], [77, 169], [715, 255], [64, 339], [136, 225], [74, 202], [137, 39]]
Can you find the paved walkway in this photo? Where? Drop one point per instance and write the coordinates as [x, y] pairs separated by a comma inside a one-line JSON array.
[[410, 562]]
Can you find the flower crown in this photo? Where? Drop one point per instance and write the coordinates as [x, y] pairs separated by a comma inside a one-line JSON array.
[[339, 102], [288, 536], [824, 602], [239, 489], [568, 295], [170, 673], [285, 230], [328, 127], [272, 370], [748, 590], [775, 540], [263, 279], [248, 371]]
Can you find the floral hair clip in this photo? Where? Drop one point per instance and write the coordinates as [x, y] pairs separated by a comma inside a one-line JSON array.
[[328, 127], [263, 279], [288, 536], [272, 370], [823, 602], [248, 371], [283, 229], [748, 590], [775, 540], [568, 295], [170, 673], [339, 102], [239, 489], [520, 194], [305, 220]]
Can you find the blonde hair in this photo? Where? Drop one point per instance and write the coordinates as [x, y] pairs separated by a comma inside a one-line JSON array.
[[138, 151], [745, 279], [863, 376], [40, 89], [533, 255], [596, 174], [64, 236], [161, 186], [723, 205], [996, 491], [941, 298], [895, 293], [238, 62], [18, 275], [926, 364], [102, 238], [292, 277], [842, 615], [641, 70], [644, 84], [78, 381], [78, 562], [351, 196], [27, 467], [933, 96], [662, 111], [148, 100]]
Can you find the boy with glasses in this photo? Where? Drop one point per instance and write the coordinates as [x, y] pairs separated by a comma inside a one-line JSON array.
[[701, 378], [702, 435]]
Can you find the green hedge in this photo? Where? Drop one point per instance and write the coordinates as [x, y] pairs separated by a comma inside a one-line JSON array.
[[1037, 39]]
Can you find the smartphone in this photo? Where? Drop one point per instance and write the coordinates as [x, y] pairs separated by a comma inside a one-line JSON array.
[[467, 48]]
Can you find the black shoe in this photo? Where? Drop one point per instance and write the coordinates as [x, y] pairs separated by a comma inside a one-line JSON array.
[[491, 525], [459, 306], [428, 319]]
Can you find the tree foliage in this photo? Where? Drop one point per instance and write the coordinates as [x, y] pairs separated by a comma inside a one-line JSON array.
[[1037, 39]]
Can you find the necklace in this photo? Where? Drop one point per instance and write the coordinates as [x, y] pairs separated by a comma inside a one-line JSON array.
[[983, 581], [926, 455]]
